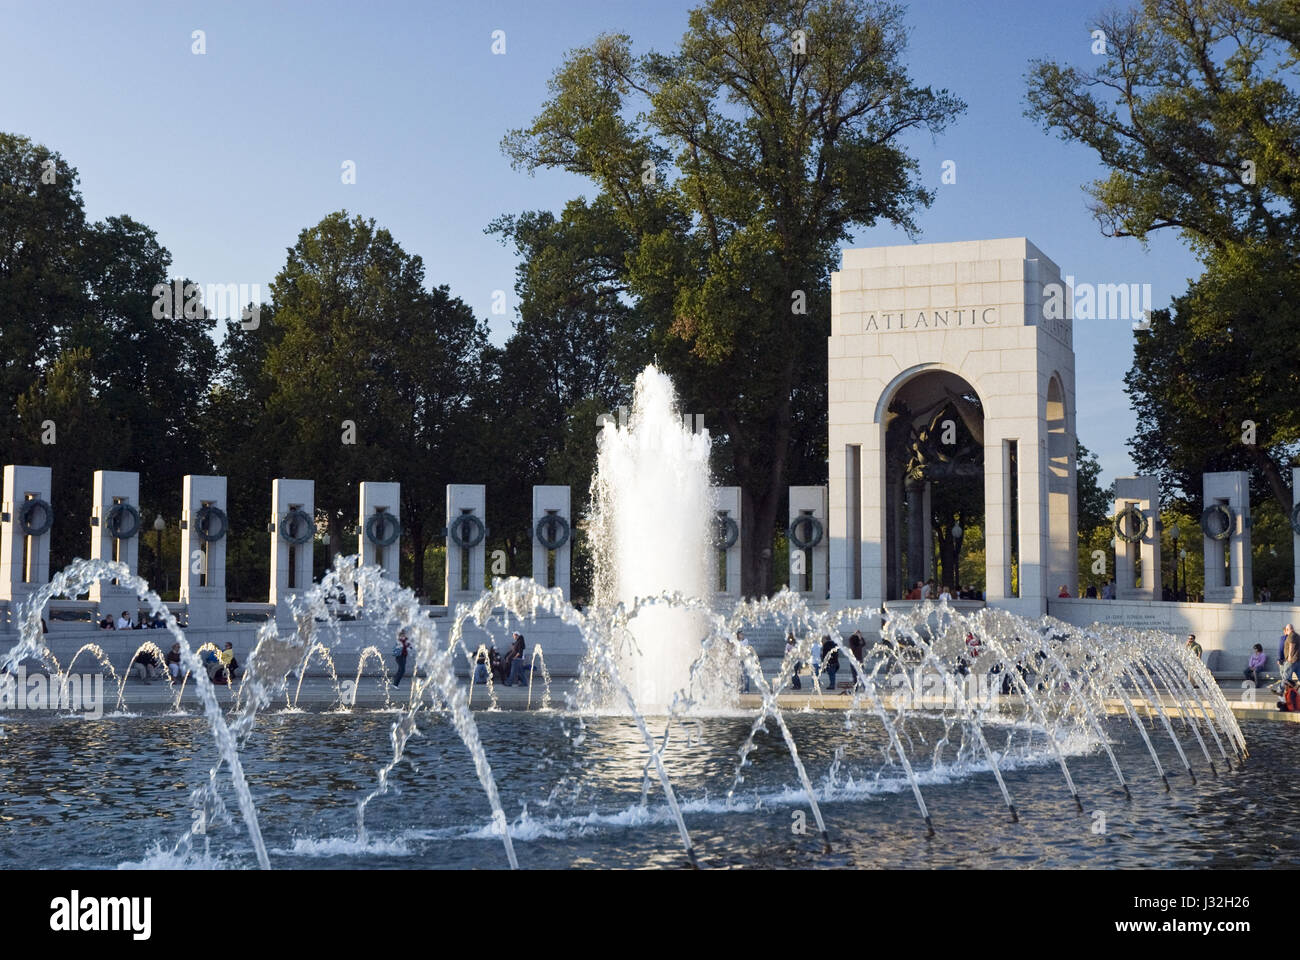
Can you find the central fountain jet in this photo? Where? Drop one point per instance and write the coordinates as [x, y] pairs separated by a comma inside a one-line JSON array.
[[651, 505]]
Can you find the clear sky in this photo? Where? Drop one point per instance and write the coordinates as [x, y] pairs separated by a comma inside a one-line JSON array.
[[229, 154]]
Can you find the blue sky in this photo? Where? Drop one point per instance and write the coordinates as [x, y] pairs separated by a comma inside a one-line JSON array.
[[230, 154]]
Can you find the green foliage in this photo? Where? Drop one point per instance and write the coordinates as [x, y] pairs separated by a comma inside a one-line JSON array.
[[66, 396], [1223, 358], [42, 274], [1188, 92], [128, 382], [85, 349], [1195, 114], [1271, 538], [360, 351], [1094, 504], [732, 168]]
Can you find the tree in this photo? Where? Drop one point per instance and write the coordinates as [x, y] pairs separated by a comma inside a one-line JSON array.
[[576, 345], [370, 373], [1214, 379], [153, 363], [1196, 115], [1093, 505], [42, 286], [243, 444], [87, 437], [435, 370], [80, 337], [737, 164]]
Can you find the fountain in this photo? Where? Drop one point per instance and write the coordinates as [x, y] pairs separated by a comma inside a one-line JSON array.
[[945, 698], [651, 505]]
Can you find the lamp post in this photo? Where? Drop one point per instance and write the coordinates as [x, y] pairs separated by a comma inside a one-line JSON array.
[[1174, 533], [159, 525], [1182, 559]]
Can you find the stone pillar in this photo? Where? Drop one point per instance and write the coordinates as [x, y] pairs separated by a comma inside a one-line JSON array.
[[379, 528], [115, 527], [728, 501], [1031, 489], [917, 524], [204, 525], [466, 560], [927, 531], [24, 556], [809, 566], [1228, 577], [548, 502], [847, 517], [1144, 494], [997, 515], [293, 537], [893, 533]]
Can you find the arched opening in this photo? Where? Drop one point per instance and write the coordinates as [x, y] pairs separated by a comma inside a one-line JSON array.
[[934, 462]]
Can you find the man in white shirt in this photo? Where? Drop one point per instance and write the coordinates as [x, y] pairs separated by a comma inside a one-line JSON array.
[[124, 621]]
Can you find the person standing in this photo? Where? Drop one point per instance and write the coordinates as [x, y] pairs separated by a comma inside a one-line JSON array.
[[517, 666], [1195, 648], [791, 654], [124, 621], [516, 652], [857, 647], [1288, 656], [814, 664], [400, 653], [830, 661], [744, 649]]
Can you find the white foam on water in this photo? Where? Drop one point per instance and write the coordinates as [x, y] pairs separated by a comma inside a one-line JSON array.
[[158, 858], [346, 847], [849, 789]]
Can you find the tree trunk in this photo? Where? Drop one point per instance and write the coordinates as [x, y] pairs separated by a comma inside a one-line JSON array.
[[759, 522], [762, 495], [1276, 483]]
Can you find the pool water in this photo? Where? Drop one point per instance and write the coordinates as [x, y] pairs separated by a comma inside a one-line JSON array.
[[114, 792]]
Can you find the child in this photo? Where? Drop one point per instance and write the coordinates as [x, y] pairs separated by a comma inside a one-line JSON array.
[[1290, 702]]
